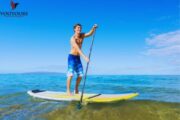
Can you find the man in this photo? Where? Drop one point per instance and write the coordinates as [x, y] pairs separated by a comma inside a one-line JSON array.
[[74, 62]]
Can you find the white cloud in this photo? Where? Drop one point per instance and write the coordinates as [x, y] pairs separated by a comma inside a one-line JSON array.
[[165, 51], [165, 44]]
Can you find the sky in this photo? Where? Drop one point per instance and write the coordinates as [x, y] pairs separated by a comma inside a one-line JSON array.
[[136, 37]]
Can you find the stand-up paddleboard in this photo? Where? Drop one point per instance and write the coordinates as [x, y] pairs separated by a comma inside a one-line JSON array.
[[90, 98]]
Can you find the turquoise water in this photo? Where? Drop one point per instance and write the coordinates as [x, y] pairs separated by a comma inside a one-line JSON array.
[[16, 104]]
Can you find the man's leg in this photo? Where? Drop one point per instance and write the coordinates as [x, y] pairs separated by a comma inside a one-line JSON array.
[[78, 80], [69, 78]]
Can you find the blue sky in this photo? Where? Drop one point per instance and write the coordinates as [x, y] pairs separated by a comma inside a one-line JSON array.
[[134, 36]]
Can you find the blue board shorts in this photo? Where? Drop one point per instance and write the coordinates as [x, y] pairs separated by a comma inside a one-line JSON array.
[[74, 65]]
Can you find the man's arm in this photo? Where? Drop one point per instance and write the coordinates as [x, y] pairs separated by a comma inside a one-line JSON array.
[[74, 44], [91, 31]]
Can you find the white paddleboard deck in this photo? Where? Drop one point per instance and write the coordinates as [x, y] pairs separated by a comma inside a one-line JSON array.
[[62, 96]]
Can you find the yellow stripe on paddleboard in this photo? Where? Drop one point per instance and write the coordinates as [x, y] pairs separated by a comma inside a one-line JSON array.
[[74, 96], [111, 99]]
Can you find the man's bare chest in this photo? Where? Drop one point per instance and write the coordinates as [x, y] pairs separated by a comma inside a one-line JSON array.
[[79, 41]]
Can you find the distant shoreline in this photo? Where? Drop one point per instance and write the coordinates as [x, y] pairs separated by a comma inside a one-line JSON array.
[[61, 73], [33, 73]]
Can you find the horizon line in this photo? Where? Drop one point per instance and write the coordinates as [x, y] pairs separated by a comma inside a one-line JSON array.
[[48, 72]]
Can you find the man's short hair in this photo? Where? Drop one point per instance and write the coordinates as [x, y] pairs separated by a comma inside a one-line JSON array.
[[77, 25]]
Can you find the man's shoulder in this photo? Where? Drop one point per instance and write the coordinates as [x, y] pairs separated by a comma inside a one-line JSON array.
[[82, 35]]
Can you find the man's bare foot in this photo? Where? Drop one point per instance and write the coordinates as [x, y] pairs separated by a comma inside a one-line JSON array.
[[76, 91], [69, 93]]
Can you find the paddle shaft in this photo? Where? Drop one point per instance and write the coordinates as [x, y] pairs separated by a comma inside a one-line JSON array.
[[85, 76]]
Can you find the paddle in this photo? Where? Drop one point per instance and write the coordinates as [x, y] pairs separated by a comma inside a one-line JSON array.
[[82, 93]]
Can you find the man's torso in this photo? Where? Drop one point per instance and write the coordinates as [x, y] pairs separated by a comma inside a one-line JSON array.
[[79, 41]]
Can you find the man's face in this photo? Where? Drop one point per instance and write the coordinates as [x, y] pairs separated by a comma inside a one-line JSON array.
[[77, 29]]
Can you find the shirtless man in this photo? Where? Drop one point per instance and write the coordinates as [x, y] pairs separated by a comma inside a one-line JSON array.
[[74, 62]]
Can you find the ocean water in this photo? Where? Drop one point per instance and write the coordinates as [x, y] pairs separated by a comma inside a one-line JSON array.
[[159, 97]]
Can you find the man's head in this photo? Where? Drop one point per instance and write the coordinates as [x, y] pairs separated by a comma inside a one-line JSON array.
[[77, 28]]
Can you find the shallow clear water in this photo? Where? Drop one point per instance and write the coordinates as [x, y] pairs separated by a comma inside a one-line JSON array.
[[16, 104]]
